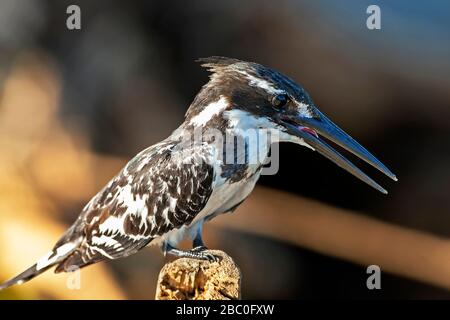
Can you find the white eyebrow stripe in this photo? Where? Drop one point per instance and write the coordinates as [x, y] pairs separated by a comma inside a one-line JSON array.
[[261, 83], [210, 111], [303, 108]]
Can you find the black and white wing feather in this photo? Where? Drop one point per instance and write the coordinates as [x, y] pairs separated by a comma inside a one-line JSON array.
[[161, 189]]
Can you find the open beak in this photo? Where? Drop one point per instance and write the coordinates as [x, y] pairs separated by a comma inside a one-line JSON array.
[[309, 129]]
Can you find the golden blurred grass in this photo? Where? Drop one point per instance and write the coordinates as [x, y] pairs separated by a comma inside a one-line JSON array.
[[40, 162]]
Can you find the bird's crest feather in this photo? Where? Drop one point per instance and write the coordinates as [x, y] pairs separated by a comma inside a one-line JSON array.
[[215, 63]]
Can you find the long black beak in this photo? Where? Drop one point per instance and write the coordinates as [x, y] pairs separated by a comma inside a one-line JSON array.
[[309, 129]]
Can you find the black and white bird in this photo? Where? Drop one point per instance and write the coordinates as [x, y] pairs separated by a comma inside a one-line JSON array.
[[169, 190]]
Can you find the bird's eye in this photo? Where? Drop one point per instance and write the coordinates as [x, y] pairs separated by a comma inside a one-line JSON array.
[[280, 100]]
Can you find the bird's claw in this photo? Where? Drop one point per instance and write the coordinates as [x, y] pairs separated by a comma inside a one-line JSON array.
[[199, 249], [201, 254]]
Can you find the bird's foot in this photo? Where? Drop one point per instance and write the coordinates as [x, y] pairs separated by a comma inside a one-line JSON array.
[[199, 253], [199, 248]]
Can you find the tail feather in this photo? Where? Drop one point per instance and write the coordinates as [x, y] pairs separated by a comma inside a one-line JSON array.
[[28, 274], [46, 262]]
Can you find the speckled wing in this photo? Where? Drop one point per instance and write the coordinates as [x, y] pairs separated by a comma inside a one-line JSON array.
[[159, 190]]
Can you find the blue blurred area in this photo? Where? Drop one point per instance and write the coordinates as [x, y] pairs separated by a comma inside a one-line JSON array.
[[419, 24], [414, 35]]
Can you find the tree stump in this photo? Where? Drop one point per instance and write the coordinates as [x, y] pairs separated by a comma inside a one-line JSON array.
[[192, 279]]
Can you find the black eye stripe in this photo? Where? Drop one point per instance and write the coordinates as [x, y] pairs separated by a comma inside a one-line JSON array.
[[280, 100]]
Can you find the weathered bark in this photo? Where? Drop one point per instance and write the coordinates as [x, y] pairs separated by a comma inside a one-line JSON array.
[[192, 279]]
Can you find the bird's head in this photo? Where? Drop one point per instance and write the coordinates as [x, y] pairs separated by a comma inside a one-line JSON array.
[[247, 95]]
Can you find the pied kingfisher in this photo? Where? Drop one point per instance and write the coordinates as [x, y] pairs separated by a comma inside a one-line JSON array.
[[170, 189]]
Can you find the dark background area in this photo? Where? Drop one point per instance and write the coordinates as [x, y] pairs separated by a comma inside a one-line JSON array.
[[129, 74]]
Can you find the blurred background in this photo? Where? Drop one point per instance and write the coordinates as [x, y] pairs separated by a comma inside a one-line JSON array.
[[76, 105]]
